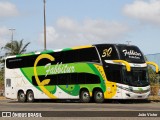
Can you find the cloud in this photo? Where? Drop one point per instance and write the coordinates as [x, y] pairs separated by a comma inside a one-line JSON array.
[[67, 24], [51, 34], [3, 31], [68, 32], [8, 9], [144, 11]]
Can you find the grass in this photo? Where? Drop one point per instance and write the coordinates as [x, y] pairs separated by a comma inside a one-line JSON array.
[[154, 98]]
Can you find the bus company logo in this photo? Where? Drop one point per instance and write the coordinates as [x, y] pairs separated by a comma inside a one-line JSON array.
[[58, 68], [131, 53], [107, 52]]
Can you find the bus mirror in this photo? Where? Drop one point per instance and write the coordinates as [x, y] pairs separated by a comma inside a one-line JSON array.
[[128, 67], [158, 72], [154, 64]]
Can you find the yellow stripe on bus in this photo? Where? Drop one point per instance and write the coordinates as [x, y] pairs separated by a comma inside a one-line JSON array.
[[128, 67], [46, 81], [111, 88], [80, 47]]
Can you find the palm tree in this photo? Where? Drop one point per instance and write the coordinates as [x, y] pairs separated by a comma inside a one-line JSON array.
[[12, 48], [15, 47]]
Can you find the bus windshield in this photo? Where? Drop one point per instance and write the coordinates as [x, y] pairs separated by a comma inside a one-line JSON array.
[[136, 77]]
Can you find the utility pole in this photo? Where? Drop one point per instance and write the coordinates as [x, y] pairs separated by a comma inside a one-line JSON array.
[[44, 2], [128, 42], [12, 29]]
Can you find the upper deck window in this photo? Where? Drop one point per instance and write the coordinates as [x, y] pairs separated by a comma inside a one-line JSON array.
[[107, 52], [64, 57]]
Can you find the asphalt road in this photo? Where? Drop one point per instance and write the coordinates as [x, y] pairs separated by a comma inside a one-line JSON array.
[[73, 109]]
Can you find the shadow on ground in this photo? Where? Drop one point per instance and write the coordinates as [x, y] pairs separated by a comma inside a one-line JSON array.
[[78, 101]]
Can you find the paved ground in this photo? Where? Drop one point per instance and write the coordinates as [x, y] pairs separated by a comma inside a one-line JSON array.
[[68, 108], [11, 105]]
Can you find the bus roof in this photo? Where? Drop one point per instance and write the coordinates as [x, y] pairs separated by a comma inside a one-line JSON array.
[[65, 49], [113, 44]]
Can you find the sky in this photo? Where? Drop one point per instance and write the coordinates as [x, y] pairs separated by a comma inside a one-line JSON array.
[[82, 22]]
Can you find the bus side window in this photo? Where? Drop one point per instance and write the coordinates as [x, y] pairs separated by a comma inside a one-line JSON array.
[[88, 55], [8, 82], [73, 79], [114, 75], [69, 56]]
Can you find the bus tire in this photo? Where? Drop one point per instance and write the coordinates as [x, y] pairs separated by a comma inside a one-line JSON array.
[[30, 96], [21, 96], [98, 96], [85, 96]]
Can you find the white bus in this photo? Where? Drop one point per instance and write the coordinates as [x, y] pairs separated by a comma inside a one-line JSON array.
[[102, 71]]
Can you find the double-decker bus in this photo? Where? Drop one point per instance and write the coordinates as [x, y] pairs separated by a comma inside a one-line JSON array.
[[101, 71]]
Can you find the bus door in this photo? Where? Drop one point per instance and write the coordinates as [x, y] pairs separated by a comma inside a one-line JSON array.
[[9, 88], [114, 78]]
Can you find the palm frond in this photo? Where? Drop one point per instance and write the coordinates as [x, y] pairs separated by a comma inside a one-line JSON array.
[[15, 47], [24, 48]]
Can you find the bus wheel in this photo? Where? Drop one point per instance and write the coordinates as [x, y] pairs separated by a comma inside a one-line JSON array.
[[30, 96], [84, 96], [21, 96], [98, 96]]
